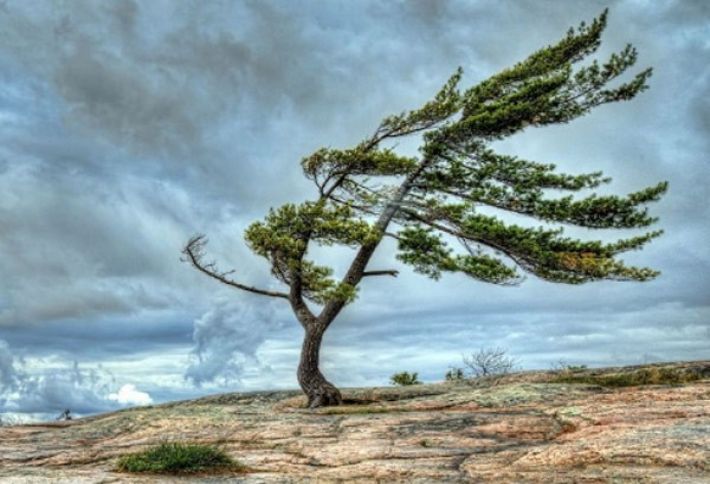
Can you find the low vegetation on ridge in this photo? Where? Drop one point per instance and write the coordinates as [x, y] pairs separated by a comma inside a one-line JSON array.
[[175, 457], [642, 376]]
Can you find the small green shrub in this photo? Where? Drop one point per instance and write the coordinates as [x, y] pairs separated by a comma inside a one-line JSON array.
[[565, 366], [455, 374], [179, 458], [405, 378]]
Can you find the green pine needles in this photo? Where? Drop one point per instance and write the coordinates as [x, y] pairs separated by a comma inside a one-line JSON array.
[[437, 205]]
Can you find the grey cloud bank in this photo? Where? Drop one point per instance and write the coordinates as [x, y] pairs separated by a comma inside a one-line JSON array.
[[128, 126]]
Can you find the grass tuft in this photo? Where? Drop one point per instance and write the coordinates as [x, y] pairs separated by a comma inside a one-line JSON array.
[[173, 458]]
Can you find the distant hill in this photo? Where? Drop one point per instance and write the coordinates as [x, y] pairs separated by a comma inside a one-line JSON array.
[[647, 423]]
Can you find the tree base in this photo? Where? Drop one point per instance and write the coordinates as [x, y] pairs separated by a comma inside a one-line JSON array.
[[320, 392], [325, 395]]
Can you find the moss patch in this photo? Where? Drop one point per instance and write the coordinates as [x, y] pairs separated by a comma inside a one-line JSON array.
[[174, 458], [356, 410], [644, 376]]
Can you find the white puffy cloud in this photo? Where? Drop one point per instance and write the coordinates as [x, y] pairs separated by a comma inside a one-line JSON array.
[[128, 394], [34, 388]]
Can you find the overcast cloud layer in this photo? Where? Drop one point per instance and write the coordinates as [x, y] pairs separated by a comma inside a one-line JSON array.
[[128, 126]]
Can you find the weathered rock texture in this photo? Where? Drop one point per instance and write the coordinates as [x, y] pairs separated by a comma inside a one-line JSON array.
[[523, 428]]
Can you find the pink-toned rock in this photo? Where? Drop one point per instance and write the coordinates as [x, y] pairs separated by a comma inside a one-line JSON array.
[[528, 427]]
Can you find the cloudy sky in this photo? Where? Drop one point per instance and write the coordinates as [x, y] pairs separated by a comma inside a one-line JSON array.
[[128, 126]]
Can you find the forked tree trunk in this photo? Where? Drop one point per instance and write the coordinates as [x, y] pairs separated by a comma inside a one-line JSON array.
[[320, 392]]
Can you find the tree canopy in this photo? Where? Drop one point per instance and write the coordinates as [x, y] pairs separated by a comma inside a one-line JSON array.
[[458, 172]]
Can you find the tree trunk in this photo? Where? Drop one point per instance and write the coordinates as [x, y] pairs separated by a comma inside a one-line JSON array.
[[320, 392]]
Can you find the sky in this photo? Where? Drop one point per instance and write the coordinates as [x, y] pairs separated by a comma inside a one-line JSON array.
[[128, 126]]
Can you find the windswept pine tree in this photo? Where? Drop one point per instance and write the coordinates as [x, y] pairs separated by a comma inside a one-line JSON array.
[[436, 197]]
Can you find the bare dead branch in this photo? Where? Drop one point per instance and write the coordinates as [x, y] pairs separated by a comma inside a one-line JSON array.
[[194, 252]]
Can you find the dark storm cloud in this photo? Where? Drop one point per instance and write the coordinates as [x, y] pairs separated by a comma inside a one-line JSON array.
[[128, 126], [58, 232], [115, 337]]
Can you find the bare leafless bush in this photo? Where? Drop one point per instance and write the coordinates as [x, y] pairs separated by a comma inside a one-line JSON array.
[[489, 362]]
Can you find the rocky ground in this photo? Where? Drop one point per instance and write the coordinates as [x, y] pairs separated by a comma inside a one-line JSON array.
[[528, 427]]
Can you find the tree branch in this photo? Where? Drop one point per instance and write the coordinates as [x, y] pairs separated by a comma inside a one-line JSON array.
[[326, 193], [194, 252], [298, 304], [389, 272], [364, 254], [460, 235], [379, 135]]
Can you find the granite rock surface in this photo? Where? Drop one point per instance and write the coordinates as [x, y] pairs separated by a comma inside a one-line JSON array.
[[526, 427]]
